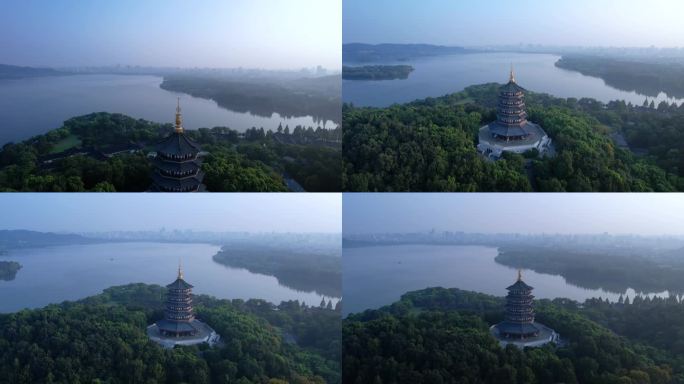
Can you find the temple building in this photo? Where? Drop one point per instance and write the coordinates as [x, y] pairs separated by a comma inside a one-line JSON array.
[[519, 327], [179, 325], [177, 166], [511, 131]]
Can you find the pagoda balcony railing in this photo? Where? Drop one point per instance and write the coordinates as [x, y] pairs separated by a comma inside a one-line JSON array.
[[175, 174], [180, 299], [511, 102], [178, 158], [512, 301], [197, 174], [193, 188], [179, 308], [511, 121], [519, 311], [512, 114], [511, 94], [503, 107], [516, 297], [179, 317], [524, 306], [176, 288], [519, 315]]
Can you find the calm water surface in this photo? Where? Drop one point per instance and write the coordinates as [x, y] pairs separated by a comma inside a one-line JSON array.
[[54, 274], [377, 276], [33, 106], [440, 75]]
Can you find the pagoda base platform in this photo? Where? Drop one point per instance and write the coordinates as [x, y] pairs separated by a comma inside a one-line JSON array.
[[546, 335], [205, 334], [493, 147]]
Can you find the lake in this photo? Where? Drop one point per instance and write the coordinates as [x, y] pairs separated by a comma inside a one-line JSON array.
[[376, 276], [33, 106], [54, 274], [440, 75]]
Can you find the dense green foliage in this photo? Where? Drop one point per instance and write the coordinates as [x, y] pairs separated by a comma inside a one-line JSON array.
[[600, 269], [647, 78], [9, 269], [102, 339], [301, 270], [442, 336], [653, 131], [430, 145], [376, 72], [256, 162], [318, 97]]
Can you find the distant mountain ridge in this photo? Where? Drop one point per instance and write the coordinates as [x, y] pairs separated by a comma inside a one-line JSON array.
[[17, 72], [20, 238], [364, 53]]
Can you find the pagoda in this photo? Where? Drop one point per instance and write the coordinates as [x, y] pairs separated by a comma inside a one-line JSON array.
[[179, 325], [511, 131], [177, 166], [178, 315], [519, 326]]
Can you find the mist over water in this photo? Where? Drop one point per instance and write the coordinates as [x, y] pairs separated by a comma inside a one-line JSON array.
[[390, 271], [441, 75], [33, 106], [54, 274]]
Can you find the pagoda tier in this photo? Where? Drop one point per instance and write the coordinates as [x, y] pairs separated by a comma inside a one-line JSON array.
[[511, 118], [177, 166], [519, 316], [178, 315]]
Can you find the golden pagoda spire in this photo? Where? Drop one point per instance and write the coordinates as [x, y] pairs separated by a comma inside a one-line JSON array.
[[179, 118], [519, 274], [180, 270], [512, 76]]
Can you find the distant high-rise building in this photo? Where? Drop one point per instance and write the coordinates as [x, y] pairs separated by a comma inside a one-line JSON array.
[[177, 166], [511, 131]]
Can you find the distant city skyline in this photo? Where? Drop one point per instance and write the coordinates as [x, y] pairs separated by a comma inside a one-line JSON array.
[[263, 34], [590, 23], [232, 212], [536, 213]]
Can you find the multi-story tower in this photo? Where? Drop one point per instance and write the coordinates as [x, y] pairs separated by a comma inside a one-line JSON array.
[[511, 118], [178, 315], [519, 327], [519, 316], [177, 166], [511, 131]]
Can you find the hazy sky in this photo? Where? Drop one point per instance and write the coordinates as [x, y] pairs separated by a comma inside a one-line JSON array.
[[244, 212], [499, 22], [271, 34], [627, 213]]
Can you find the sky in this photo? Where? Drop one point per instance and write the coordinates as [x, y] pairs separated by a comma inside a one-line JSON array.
[[626, 23], [216, 212], [523, 213], [267, 34]]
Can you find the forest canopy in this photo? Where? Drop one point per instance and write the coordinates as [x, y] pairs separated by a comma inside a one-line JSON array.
[[103, 152], [430, 145], [440, 335], [103, 339]]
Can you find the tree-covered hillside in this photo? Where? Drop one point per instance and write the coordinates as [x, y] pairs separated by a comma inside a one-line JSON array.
[[442, 335], [103, 152], [102, 339], [430, 145]]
